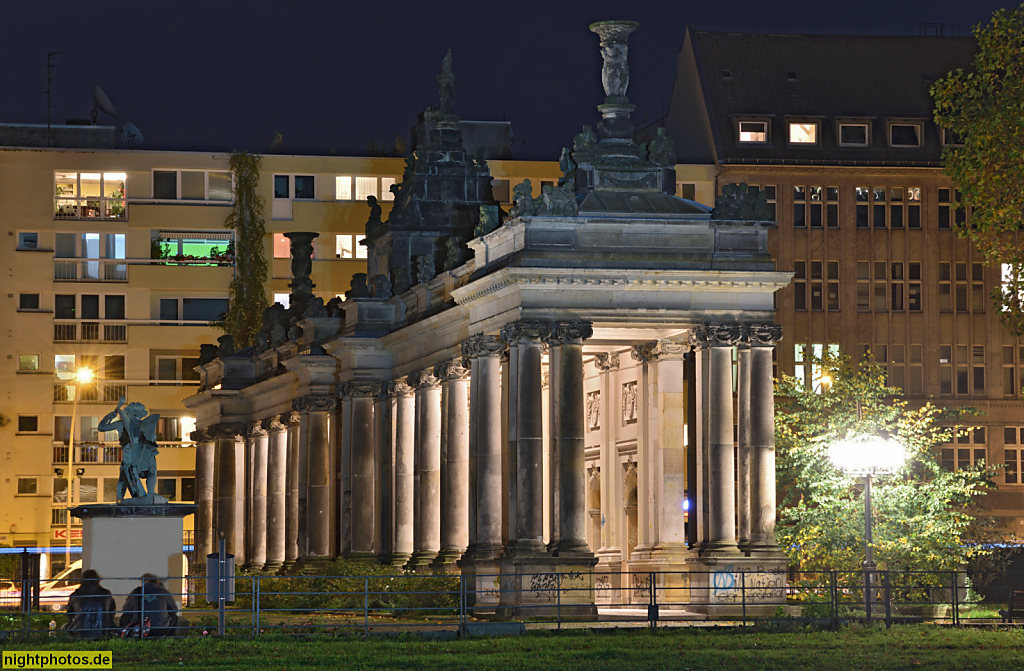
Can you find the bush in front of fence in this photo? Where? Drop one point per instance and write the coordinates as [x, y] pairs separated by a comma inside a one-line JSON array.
[[350, 586]]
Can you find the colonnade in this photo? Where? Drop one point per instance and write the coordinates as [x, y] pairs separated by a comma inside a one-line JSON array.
[[413, 470]]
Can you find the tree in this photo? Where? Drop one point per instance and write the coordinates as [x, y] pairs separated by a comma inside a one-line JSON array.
[[248, 298], [924, 516], [983, 110]]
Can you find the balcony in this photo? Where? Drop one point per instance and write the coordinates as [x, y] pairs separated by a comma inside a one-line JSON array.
[[88, 453], [103, 391], [90, 270], [73, 330]]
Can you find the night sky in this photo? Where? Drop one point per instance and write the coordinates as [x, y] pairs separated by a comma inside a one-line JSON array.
[[334, 75]]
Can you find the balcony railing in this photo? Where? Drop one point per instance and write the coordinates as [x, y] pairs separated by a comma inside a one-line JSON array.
[[90, 270], [93, 208], [103, 391], [74, 330], [88, 453]]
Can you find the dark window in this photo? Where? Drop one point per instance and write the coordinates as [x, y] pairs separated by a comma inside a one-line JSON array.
[[304, 187], [64, 306], [28, 301], [113, 367], [28, 486], [168, 488], [204, 309], [28, 423], [281, 186], [113, 307], [904, 135], [188, 489], [853, 134], [499, 190], [169, 308], [90, 306], [165, 184], [188, 365], [167, 369]]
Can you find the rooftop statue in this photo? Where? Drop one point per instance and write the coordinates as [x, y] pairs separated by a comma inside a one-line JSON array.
[[137, 432], [447, 84]]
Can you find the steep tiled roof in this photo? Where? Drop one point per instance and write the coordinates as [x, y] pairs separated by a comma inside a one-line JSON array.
[[829, 77]]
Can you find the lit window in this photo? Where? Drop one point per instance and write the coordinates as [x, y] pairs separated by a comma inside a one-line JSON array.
[[803, 133], [754, 131], [283, 299], [343, 247], [366, 186], [385, 188], [853, 134], [89, 195], [904, 135], [282, 246], [191, 246], [343, 187], [28, 362]]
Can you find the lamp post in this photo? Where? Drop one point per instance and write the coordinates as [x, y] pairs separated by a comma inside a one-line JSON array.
[[867, 456], [82, 377]]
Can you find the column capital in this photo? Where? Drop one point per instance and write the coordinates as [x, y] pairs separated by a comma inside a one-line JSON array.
[[315, 403], [423, 379], [360, 388], [524, 329], [200, 436], [274, 425], [291, 418], [763, 335], [399, 388], [256, 430], [225, 430], [483, 345], [569, 332], [606, 360], [452, 369], [717, 335], [660, 349]]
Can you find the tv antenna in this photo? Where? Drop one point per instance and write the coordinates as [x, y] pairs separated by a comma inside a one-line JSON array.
[[101, 103], [50, 67]]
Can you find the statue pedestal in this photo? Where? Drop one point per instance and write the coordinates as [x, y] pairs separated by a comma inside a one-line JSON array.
[[544, 586], [123, 541]]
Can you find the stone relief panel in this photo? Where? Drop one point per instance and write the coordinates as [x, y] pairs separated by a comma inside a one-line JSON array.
[[593, 410], [629, 409]]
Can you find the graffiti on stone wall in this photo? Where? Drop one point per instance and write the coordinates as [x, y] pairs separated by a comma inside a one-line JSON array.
[[546, 586], [641, 584], [755, 585]]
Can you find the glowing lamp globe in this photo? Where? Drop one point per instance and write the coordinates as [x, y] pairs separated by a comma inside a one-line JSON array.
[[868, 455]]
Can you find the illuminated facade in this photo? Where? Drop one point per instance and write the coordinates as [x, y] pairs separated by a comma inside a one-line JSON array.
[[118, 260], [837, 131]]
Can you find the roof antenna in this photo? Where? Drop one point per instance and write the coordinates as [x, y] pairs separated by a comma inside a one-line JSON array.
[[50, 67]]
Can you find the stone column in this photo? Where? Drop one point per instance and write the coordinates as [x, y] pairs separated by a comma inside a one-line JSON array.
[[292, 517], [365, 539], [611, 505], [319, 474], [721, 445], [205, 467], [427, 532], [485, 446], [566, 340], [762, 440], [550, 386], [229, 474], [455, 471], [526, 338], [277, 475], [384, 471], [405, 461], [258, 448], [743, 443]]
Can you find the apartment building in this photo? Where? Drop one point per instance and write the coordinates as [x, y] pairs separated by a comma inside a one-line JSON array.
[[837, 132], [118, 260]]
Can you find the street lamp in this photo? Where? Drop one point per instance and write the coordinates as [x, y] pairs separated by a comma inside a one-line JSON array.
[[82, 377], [867, 456]]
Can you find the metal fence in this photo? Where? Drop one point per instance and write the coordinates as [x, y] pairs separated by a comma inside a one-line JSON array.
[[390, 602]]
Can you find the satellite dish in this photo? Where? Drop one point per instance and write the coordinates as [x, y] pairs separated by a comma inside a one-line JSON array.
[[131, 134], [101, 104]]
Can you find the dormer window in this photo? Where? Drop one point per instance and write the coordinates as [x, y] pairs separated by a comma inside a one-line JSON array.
[[853, 134], [803, 132], [753, 132], [905, 134]]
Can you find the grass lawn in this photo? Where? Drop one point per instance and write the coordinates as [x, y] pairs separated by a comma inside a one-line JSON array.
[[909, 647]]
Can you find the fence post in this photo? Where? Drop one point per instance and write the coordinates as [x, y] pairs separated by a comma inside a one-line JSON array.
[[256, 608], [366, 606], [462, 605], [652, 609], [558, 593], [743, 595], [142, 608], [221, 585], [888, 602], [834, 598], [956, 602]]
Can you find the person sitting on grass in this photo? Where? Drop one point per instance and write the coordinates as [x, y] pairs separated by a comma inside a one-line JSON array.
[[151, 601], [90, 608]]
